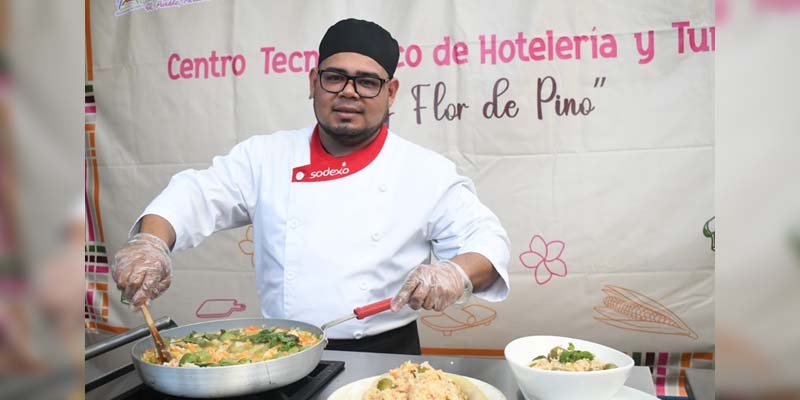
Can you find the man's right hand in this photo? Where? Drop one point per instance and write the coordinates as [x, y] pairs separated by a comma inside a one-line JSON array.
[[143, 268]]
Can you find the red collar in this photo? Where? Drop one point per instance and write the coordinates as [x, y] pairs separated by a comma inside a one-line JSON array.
[[325, 167]]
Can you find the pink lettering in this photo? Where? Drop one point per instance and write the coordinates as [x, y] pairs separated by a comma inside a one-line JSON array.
[[548, 47], [460, 51], [608, 49], [198, 62], [267, 51], [175, 57], [186, 68], [646, 50], [700, 39], [238, 60], [680, 25], [488, 51], [225, 60], [520, 41], [442, 52], [411, 56], [311, 58], [564, 48], [213, 61], [293, 56], [279, 62], [296, 61], [506, 51], [212, 66], [535, 48]]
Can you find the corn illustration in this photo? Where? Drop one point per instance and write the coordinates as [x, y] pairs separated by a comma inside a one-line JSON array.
[[627, 309]]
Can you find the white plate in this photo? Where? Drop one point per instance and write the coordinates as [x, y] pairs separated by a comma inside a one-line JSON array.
[[355, 390]]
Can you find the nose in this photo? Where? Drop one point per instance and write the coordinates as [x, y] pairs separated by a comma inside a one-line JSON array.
[[349, 88]]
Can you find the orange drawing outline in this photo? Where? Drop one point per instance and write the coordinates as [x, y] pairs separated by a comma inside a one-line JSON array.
[[235, 307], [471, 317], [248, 239], [627, 309], [88, 25]]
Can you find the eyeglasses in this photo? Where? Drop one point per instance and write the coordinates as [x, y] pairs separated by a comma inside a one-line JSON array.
[[365, 86]]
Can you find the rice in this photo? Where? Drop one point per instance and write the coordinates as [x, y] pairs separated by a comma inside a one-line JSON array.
[[569, 359], [414, 382], [580, 365]]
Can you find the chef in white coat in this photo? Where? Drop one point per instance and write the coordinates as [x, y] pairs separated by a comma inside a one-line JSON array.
[[344, 212]]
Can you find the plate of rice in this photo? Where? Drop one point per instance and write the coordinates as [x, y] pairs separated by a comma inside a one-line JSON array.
[[412, 381]]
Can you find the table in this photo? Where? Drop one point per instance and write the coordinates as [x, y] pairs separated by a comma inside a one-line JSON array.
[[358, 365], [494, 371], [701, 383]]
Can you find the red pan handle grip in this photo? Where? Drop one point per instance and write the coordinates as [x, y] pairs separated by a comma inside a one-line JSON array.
[[372, 309]]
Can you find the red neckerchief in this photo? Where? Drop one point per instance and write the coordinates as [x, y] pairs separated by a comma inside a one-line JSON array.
[[325, 167]]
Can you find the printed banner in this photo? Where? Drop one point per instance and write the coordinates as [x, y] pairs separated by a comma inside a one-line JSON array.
[[588, 128]]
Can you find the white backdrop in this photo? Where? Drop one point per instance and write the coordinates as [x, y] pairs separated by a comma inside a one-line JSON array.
[[604, 205]]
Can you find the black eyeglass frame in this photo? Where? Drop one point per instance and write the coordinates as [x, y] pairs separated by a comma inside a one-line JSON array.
[[355, 82]]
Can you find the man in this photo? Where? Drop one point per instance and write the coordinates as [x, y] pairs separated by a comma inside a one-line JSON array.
[[344, 213]]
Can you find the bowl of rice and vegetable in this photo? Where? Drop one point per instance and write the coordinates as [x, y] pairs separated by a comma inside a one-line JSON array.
[[562, 368]]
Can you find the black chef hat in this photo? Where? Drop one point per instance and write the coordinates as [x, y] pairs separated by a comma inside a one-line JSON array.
[[363, 37]]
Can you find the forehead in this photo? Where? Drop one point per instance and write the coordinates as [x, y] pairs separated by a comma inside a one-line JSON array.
[[353, 63]]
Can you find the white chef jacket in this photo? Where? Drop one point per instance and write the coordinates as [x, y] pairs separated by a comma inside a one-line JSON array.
[[331, 234]]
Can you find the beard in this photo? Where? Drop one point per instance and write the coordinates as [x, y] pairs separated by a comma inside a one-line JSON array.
[[348, 136]]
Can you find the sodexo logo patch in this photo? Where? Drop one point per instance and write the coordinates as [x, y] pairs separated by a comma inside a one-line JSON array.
[[324, 173]]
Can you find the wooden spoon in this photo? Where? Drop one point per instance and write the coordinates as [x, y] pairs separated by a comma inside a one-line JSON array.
[[161, 348]]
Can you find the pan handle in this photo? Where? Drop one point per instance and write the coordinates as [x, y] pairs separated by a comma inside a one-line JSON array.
[[372, 309]]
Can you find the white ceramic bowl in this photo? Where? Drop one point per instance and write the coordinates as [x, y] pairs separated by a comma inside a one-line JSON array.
[[537, 384]]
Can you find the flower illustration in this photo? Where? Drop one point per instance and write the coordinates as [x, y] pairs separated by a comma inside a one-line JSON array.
[[545, 259]]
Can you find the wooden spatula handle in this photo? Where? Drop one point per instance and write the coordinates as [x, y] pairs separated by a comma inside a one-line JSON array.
[[161, 348]]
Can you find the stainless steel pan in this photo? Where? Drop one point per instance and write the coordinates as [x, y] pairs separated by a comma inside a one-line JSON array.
[[235, 380]]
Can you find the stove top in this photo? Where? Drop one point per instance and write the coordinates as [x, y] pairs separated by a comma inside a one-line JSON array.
[[300, 390]]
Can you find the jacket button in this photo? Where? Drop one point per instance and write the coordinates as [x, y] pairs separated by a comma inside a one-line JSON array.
[[290, 275], [382, 187], [294, 223], [358, 334], [376, 236]]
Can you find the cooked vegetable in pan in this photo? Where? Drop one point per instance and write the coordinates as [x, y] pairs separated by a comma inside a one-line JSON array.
[[233, 347]]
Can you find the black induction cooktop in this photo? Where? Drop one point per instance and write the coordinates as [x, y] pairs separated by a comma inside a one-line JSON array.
[[300, 390]]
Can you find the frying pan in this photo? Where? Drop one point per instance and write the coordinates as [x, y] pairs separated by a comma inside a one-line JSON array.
[[236, 380]]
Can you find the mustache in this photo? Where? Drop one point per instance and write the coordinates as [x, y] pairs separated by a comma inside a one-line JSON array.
[[348, 107]]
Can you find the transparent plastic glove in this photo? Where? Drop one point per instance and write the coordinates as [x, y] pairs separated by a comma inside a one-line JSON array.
[[142, 269], [434, 287]]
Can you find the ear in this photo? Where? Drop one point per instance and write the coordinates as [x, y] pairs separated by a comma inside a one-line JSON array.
[[312, 82], [392, 87]]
